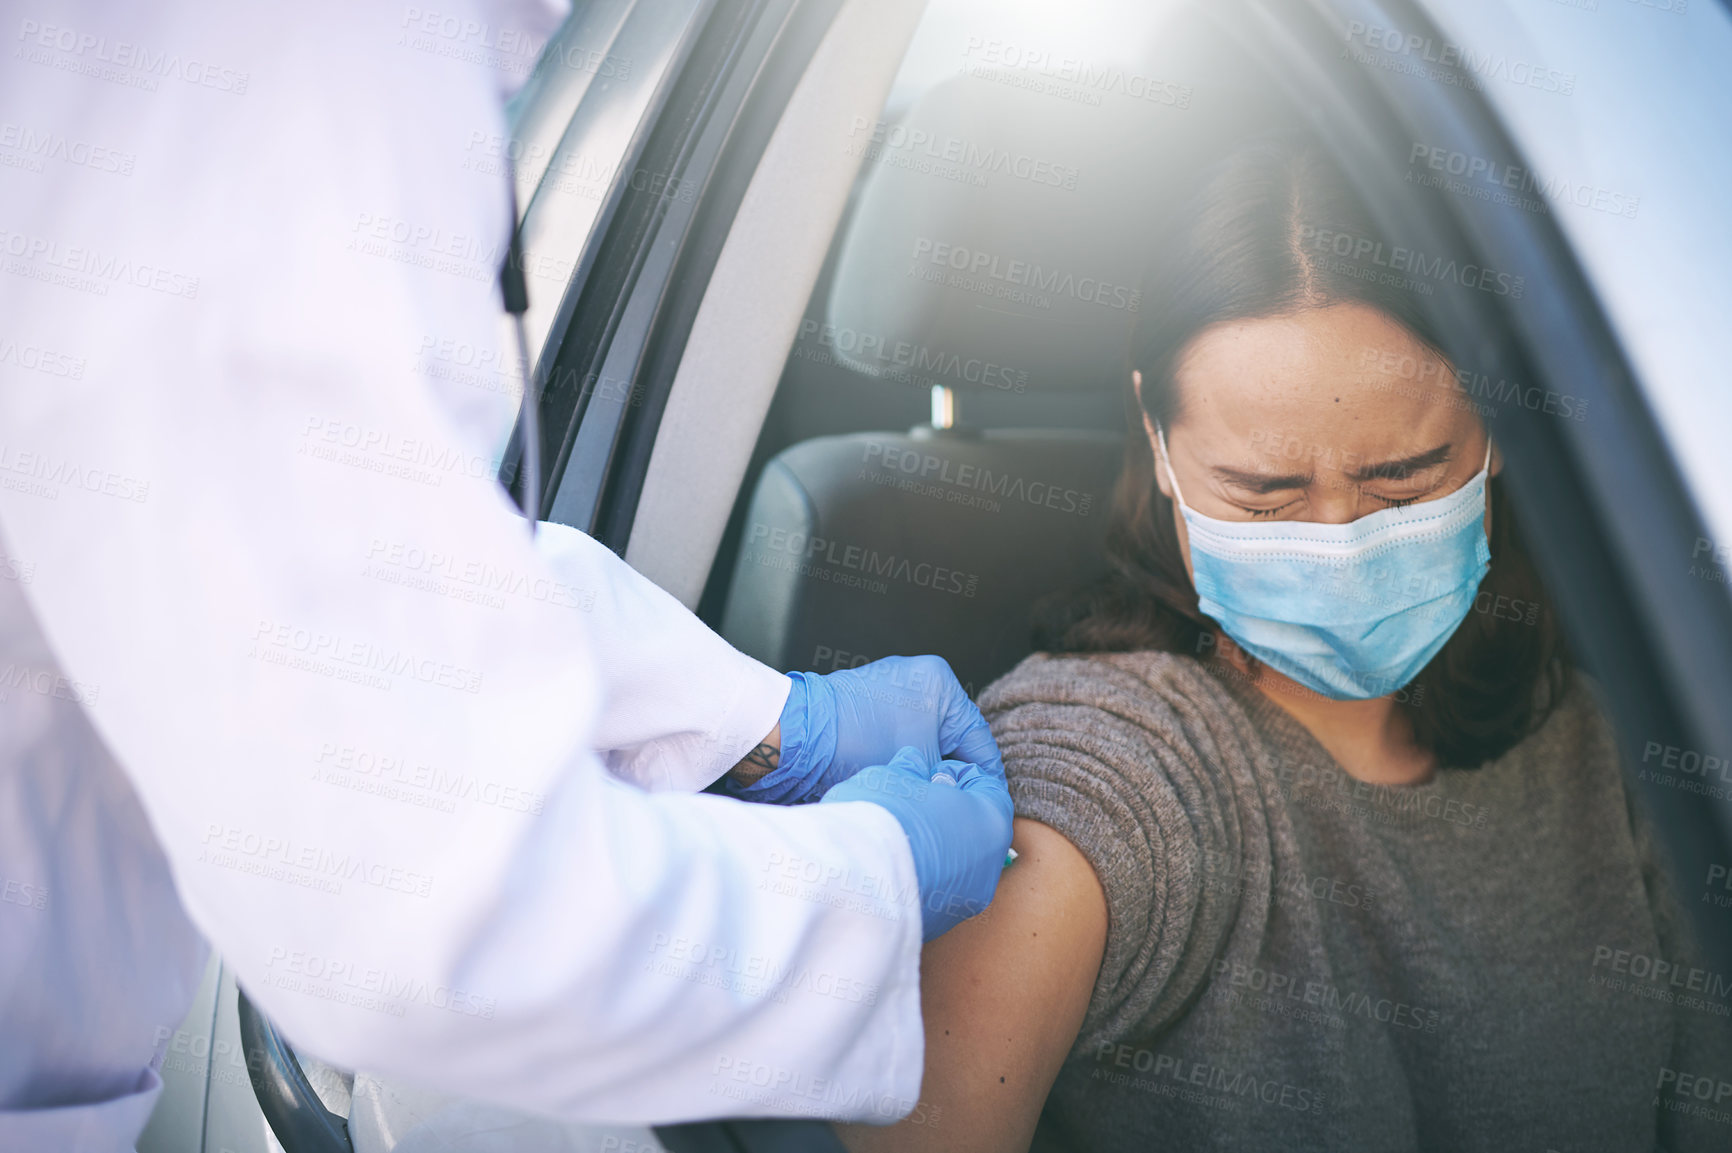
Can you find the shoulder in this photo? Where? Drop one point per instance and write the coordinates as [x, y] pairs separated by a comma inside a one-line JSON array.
[[1115, 732], [1133, 723], [1576, 738], [1154, 690], [1086, 676], [1145, 763]]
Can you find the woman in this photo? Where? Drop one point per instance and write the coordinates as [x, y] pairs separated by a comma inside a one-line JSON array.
[[1321, 846]]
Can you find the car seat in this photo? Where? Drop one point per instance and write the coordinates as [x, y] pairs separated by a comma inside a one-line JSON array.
[[996, 248]]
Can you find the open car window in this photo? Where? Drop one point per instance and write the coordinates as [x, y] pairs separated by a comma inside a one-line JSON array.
[[943, 451]]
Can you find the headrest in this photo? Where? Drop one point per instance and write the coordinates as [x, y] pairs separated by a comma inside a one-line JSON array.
[[999, 236], [1003, 225]]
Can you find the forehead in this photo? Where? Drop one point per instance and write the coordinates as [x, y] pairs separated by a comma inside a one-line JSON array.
[[1347, 377]]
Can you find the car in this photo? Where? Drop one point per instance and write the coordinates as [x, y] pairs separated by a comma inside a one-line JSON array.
[[828, 302]]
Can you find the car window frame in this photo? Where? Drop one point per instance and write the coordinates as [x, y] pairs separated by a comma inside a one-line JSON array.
[[606, 354]]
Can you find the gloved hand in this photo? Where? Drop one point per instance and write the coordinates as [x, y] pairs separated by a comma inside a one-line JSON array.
[[957, 819], [835, 724]]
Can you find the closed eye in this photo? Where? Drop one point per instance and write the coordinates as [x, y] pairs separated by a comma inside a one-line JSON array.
[[1257, 513]]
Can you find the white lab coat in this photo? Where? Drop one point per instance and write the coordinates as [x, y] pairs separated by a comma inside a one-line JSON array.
[[251, 549]]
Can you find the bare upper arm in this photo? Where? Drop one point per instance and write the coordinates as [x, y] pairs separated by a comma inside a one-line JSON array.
[[1003, 997]]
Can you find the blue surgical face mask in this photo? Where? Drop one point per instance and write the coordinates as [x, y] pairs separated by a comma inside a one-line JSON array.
[[1354, 610]]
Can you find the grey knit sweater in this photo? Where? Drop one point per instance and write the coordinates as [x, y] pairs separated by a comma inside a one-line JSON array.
[[1299, 960]]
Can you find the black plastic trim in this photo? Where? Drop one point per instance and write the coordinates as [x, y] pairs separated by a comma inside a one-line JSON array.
[[748, 136], [611, 327], [566, 390], [293, 1110], [757, 1136], [630, 327]]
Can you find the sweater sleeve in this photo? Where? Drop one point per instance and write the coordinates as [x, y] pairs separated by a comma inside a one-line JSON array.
[[1144, 763]]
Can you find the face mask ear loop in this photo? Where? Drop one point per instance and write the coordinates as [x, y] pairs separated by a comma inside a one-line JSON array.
[[1167, 461], [1486, 466]]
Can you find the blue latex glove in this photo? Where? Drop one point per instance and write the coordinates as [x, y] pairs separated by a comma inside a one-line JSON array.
[[835, 724], [957, 819]]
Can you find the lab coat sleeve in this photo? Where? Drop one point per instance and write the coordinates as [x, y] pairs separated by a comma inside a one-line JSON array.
[[305, 612], [680, 705]]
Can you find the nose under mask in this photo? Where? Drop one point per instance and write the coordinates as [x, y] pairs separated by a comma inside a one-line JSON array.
[[1351, 611]]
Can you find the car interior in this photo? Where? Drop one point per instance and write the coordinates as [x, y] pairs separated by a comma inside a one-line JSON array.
[[881, 410], [993, 296]]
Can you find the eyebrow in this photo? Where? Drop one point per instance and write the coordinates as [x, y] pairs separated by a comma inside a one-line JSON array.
[[1406, 466], [1263, 483], [1260, 483]]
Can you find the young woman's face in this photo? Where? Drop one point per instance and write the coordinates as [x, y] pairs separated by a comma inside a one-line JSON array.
[[1328, 414]]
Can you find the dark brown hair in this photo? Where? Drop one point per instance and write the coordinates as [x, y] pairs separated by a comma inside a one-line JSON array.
[[1243, 248]]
